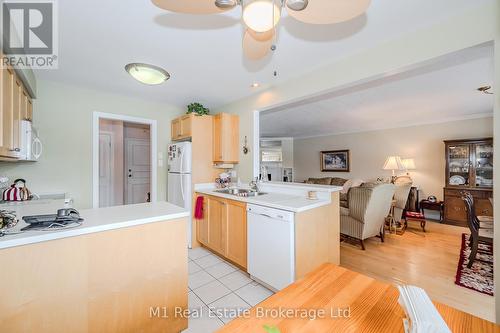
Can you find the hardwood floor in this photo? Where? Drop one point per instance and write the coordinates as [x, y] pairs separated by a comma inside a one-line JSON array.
[[427, 260]]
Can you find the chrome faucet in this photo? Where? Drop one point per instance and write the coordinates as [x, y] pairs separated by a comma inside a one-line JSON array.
[[254, 185]]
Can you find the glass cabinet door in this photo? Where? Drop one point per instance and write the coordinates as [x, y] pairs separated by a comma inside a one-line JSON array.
[[484, 165], [458, 165]]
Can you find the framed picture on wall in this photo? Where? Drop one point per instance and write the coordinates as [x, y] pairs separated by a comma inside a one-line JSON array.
[[335, 161]]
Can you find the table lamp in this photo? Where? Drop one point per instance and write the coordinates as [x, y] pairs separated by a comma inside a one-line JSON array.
[[409, 164], [393, 163]]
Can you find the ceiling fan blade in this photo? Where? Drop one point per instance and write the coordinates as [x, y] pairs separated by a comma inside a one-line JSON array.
[[190, 6], [330, 11], [257, 45]]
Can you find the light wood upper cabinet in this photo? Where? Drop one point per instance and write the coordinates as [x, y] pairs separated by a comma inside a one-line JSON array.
[[182, 127], [9, 115], [15, 105], [223, 228], [176, 129], [236, 249], [226, 138]]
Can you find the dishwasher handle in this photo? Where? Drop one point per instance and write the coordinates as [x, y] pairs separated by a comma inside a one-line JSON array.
[[275, 214]]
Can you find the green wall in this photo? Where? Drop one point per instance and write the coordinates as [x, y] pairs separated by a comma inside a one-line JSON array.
[[63, 116]]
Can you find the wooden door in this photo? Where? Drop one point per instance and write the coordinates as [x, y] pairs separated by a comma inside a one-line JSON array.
[[8, 146], [29, 115], [217, 215], [176, 129], [236, 249], [454, 210], [137, 171], [217, 139], [19, 108], [226, 138], [483, 207], [185, 126], [202, 224]]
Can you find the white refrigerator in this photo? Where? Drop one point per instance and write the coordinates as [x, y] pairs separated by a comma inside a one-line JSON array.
[[179, 179]]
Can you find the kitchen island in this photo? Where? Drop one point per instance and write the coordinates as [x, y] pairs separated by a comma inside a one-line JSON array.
[[277, 235], [124, 269]]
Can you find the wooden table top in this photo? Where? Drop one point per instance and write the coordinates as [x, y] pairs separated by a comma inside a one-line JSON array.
[[373, 307]]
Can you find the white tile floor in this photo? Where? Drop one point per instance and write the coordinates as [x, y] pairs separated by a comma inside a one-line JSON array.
[[217, 291]]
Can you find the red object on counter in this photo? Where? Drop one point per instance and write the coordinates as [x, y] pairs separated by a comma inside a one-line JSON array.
[[198, 210]]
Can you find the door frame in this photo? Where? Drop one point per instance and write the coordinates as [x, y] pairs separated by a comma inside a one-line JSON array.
[[96, 116]]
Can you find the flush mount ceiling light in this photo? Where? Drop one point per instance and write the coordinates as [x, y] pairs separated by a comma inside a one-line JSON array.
[[147, 74], [262, 16]]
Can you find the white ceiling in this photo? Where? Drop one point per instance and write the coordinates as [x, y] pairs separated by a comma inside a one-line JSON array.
[[203, 53], [442, 91]]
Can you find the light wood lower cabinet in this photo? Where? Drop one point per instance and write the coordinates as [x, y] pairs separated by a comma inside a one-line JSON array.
[[236, 247], [217, 220], [223, 228]]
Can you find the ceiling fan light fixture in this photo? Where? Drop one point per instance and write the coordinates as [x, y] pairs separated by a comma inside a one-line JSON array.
[[226, 4], [261, 15], [297, 5], [147, 74]]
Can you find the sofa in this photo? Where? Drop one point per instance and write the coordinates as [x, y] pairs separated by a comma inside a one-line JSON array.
[[337, 181]]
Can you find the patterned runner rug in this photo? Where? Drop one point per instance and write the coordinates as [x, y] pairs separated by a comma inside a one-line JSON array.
[[480, 276]]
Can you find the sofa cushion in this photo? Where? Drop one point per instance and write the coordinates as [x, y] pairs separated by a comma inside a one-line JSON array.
[[320, 181], [336, 181]]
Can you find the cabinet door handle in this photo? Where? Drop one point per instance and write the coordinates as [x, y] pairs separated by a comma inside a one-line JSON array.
[[15, 149]]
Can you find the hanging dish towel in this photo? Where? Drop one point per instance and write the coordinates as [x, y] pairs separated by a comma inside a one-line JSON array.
[[198, 210]]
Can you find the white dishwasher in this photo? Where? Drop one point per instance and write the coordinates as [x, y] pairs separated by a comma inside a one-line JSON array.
[[271, 246]]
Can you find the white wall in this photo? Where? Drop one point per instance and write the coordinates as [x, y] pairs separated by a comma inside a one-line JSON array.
[[63, 115], [456, 33], [370, 149]]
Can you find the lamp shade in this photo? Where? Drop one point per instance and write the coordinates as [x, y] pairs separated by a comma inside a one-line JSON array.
[[393, 163], [261, 15], [409, 164]]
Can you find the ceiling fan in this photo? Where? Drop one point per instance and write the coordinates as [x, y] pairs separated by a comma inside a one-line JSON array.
[[262, 16]]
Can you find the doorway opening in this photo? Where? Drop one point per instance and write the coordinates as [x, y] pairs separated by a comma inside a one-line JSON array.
[[124, 168]]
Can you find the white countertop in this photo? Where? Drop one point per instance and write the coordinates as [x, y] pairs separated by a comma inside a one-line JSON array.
[[285, 196], [95, 220]]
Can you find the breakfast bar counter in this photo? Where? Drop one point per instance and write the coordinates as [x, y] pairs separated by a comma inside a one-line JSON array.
[[123, 270], [94, 220]]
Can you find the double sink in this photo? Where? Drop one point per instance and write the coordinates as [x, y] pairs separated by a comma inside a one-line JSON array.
[[240, 192]]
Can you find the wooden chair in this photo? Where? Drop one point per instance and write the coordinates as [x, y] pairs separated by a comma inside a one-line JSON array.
[[476, 232]]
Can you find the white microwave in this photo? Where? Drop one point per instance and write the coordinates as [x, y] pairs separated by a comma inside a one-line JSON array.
[[31, 146]]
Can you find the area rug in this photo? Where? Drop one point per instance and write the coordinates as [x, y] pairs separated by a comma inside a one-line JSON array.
[[480, 276]]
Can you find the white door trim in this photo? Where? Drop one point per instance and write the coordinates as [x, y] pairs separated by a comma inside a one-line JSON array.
[[95, 150]]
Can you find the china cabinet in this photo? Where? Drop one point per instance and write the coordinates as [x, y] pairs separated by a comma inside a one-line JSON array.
[[469, 166]]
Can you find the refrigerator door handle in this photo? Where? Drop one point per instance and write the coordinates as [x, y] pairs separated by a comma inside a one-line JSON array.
[[182, 182]]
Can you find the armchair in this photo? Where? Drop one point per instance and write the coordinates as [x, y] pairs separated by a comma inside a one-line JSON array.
[[368, 208]]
